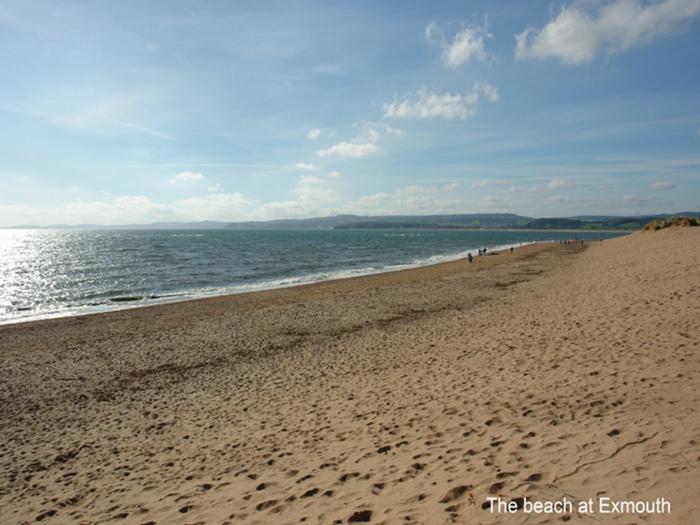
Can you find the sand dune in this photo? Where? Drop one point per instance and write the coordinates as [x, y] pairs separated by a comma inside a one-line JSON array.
[[408, 397]]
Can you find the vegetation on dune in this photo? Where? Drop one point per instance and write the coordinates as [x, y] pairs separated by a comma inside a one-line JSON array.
[[660, 224]]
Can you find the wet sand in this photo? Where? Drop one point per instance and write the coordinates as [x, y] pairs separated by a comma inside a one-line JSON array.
[[406, 397]]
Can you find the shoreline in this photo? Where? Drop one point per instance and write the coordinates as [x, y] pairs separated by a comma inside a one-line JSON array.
[[224, 292]]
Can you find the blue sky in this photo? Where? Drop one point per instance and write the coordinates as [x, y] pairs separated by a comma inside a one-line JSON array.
[[122, 112]]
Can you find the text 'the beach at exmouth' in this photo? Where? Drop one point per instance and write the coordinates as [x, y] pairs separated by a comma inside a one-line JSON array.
[[601, 505]]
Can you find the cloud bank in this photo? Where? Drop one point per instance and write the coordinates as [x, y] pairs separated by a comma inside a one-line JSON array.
[[576, 36]]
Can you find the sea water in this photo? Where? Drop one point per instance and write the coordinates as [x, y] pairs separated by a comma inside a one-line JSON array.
[[50, 273]]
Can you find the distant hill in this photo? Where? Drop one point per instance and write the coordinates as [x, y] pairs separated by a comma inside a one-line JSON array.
[[602, 222], [287, 224], [474, 220], [555, 224]]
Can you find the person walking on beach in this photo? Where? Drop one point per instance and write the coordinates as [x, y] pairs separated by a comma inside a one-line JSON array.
[[469, 256], [511, 250]]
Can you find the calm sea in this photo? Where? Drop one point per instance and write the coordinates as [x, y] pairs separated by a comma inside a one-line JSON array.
[[49, 273]]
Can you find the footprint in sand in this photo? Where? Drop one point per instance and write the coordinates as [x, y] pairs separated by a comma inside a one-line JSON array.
[[455, 493], [361, 516], [266, 505], [496, 487]]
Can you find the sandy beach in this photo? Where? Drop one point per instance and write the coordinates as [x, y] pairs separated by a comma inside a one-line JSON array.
[[407, 397]]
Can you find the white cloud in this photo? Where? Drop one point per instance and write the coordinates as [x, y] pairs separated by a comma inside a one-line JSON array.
[[486, 182], [389, 130], [310, 197], [490, 201], [467, 45], [304, 166], [371, 136], [381, 126], [420, 200], [215, 206], [349, 149], [452, 186], [334, 175], [311, 193], [307, 180], [411, 199], [663, 185], [214, 188], [130, 209], [433, 33], [430, 105], [313, 134], [187, 176], [488, 91], [359, 148], [446, 106], [371, 200], [557, 184], [576, 36], [552, 185]]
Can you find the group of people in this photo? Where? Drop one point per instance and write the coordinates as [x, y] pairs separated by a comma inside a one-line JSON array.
[[565, 242], [482, 251]]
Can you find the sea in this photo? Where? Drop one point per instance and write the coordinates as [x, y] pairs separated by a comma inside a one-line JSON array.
[[57, 273]]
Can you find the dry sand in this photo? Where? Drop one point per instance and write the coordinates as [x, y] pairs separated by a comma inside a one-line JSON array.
[[408, 397]]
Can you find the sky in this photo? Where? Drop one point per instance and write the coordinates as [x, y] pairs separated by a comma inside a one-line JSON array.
[[135, 112]]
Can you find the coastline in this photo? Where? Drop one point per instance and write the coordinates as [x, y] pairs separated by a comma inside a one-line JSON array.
[[401, 397], [255, 288]]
